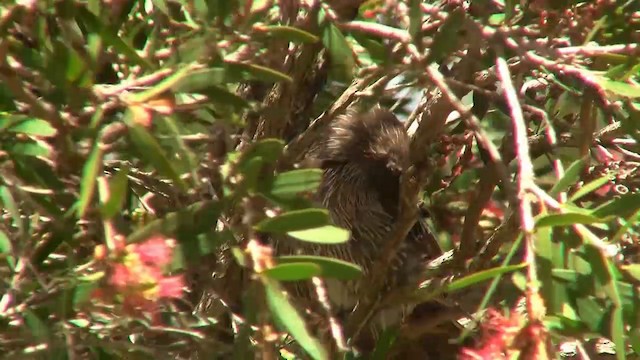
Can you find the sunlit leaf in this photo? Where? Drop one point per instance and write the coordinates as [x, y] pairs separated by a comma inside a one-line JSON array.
[[259, 72], [6, 249], [28, 126], [623, 206], [294, 182], [589, 188], [293, 271], [327, 234], [294, 221], [330, 267], [118, 186], [342, 57], [620, 88], [570, 177], [290, 33], [149, 149], [184, 224], [90, 172], [481, 276], [566, 219], [289, 317]]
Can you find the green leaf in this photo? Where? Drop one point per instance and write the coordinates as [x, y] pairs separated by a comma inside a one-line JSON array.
[[331, 268], [27, 148], [28, 126], [566, 219], [6, 249], [268, 149], [287, 315], [151, 151], [293, 271], [118, 186], [290, 33], [61, 231], [446, 40], [36, 172], [210, 82], [162, 6], [38, 328], [82, 292], [259, 72], [605, 273], [10, 206], [327, 234], [376, 49], [385, 344], [184, 224], [161, 87], [291, 183], [618, 332], [294, 221], [201, 79], [544, 249], [633, 270], [110, 37], [342, 58], [252, 169], [571, 177], [634, 339], [90, 172], [589, 188], [590, 312], [620, 88], [565, 275], [621, 207], [481, 276], [415, 20]]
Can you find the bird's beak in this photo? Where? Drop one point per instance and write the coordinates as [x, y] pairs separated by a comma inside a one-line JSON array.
[[395, 168]]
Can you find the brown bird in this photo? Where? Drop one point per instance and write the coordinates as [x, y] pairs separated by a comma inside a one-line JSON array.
[[363, 156]]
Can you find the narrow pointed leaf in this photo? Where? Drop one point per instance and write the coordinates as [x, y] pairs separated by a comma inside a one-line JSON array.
[[293, 271], [289, 317], [327, 234], [294, 221], [330, 267], [90, 172]]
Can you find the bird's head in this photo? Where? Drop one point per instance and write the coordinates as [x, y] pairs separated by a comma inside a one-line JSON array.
[[374, 139]]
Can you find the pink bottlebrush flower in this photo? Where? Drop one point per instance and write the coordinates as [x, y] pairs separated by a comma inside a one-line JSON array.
[[171, 287], [156, 251], [499, 334], [120, 276]]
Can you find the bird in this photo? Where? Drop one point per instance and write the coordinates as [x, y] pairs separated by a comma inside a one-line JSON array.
[[363, 155]]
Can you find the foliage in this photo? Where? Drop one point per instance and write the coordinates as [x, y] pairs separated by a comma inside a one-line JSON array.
[[140, 138]]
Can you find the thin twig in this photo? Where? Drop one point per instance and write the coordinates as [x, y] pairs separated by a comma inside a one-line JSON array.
[[525, 180]]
